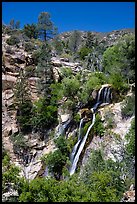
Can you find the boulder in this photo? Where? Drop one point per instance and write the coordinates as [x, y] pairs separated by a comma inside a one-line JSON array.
[[56, 75], [8, 81], [65, 117], [94, 94], [33, 169]]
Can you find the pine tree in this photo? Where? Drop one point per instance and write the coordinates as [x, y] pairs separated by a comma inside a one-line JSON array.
[[44, 71], [17, 25], [31, 31], [45, 26], [74, 42], [12, 23], [23, 103]]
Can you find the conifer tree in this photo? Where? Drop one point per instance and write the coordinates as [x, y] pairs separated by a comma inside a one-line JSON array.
[[75, 40], [23, 103], [44, 71], [45, 26], [12, 23]]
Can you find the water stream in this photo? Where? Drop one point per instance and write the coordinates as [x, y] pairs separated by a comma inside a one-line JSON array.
[[74, 164], [103, 97]]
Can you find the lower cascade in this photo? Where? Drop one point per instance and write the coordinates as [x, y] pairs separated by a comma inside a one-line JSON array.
[[104, 97], [74, 165]]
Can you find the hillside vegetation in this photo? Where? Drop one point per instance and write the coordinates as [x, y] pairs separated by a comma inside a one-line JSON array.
[[50, 82]]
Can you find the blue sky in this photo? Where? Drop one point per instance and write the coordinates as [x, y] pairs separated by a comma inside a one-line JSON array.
[[67, 16]]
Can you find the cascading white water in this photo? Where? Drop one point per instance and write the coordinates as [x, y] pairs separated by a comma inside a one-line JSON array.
[[108, 94], [74, 150], [74, 164], [79, 139], [103, 96], [99, 94], [80, 126], [62, 128]]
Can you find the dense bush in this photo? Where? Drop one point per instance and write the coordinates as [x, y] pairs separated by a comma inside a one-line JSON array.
[[36, 55], [13, 40], [66, 72], [30, 71], [103, 178], [70, 86], [120, 58], [57, 160], [29, 47], [130, 137], [19, 144], [44, 115], [84, 51], [98, 127], [128, 108]]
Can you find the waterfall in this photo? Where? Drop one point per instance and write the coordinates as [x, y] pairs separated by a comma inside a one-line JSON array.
[[105, 94], [108, 94], [80, 125], [103, 98], [62, 128], [74, 150], [74, 165], [79, 139], [99, 94]]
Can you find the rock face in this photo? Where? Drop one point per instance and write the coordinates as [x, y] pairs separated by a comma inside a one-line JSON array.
[[109, 142], [129, 196], [15, 58]]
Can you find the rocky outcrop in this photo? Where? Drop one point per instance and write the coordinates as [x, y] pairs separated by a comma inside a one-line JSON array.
[[129, 196], [75, 66], [114, 139]]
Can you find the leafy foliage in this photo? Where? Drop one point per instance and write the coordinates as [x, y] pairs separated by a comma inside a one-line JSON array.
[[44, 114], [57, 160], [29, 47], [120, 58], [130, 147], [70, 86], [23, 103], [74, 42], [30, 30], [13, 40], [44, 70], [45, 27], [83, 52], [128, 108]]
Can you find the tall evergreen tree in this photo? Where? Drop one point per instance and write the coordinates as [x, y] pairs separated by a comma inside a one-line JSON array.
[[45, 26], [31, 31], [44, 71], [23, 103], [74, 42], [12, 24], [17, 25]]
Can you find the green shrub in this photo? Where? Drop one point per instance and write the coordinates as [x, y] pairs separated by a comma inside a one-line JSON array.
[[109, 118], [98, 127], [70, 86], [29, 47], [66, 72], [84, 51], [13, 40], [30, 71], [36, 55], [65, 55], [44, 115], [130, 137], [19, 143], [128, 108]]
